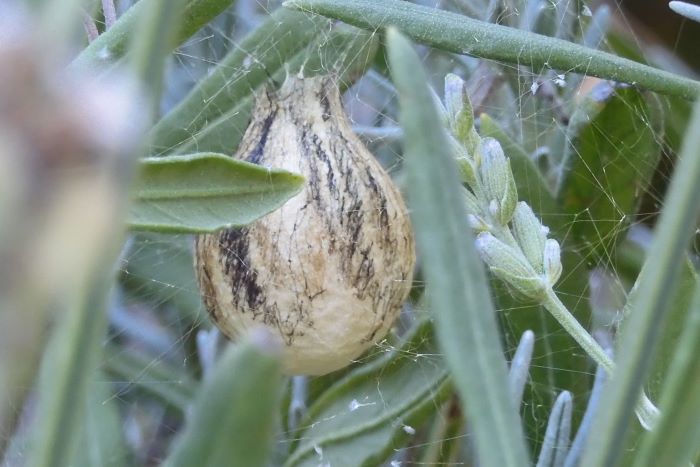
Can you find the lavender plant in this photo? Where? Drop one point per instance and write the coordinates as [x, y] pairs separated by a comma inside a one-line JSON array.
[[510, 239], [111, 154]]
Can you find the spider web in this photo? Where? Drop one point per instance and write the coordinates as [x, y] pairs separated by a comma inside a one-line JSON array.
[[161, 343]]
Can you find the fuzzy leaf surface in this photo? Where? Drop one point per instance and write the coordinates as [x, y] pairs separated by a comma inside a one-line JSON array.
[[457, 287], [233, 418], [204, 192], [362, 418], [464, 35]]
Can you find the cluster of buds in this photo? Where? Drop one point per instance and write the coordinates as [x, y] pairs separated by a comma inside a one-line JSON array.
[[509, 237]]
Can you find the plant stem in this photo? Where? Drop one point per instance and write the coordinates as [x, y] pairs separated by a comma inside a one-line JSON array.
[[578, 332], [459, 34], [646, 411]]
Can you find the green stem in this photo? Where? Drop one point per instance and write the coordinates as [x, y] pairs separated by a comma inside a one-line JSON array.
[[578, 332], [646, 411], [459, 34]]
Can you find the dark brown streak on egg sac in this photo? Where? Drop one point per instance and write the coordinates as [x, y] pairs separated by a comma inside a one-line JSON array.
[[208, 292], [233, 245], [257, 153], [343, 247]]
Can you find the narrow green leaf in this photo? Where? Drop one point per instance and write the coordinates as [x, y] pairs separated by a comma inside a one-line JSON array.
[[206, 192], [233, 418], [318, 385], [154, 39], [67, 371], [376, 444], [456, 281], [111, 46], [680, 309], [610, 156], [100, 438], [262, 53], [688, 10], [345, 51], [463, 35], [679, 312], [656, 284], [675, 440], [573, 457], [221, 135], [520, 366], [558, 435], [103, 441], [360, 419]]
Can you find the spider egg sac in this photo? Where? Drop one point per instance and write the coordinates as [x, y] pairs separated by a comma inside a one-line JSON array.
[[329, 270]]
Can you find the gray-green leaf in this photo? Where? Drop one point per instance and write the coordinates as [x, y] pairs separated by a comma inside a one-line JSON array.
[[464, 35], [458, 290], [205, 192], [233, 417], [357, 421]]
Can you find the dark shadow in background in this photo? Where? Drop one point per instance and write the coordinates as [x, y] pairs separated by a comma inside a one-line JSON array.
[[666, 27]]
